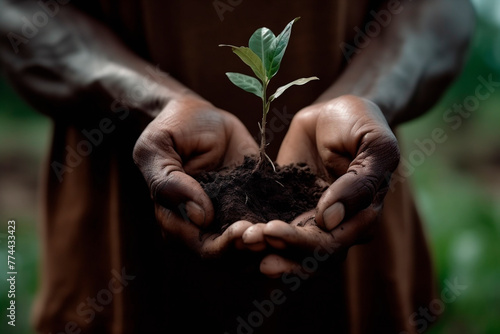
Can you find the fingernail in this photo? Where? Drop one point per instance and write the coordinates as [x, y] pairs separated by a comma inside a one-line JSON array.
[[333, 215], [195, 213]]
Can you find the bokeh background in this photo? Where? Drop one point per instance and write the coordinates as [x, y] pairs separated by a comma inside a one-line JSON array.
[[457, 187]]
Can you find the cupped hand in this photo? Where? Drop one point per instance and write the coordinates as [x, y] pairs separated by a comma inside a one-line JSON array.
[[188, 137], [348, 141]]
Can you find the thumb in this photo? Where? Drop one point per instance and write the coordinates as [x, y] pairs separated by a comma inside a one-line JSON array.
[[365, 181], [183, 194], [169, 184], [346, 196]]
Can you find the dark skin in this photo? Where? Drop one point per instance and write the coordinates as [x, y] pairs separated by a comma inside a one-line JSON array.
[[346, 135]]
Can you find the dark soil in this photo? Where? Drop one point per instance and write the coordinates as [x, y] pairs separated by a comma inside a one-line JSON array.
[[261, 195]]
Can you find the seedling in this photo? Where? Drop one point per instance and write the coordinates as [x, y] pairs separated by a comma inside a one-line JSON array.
[[264, 54]]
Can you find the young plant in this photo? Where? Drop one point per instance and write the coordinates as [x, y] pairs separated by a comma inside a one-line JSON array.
[[264, 54]]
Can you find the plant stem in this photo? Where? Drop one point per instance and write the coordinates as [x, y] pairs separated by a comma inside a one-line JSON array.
[[265, 110]]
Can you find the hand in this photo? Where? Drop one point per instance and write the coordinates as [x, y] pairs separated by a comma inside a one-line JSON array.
[[349, 141], [188, 137]]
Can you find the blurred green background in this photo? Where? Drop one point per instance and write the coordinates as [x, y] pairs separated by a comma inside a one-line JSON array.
[[457, 188]]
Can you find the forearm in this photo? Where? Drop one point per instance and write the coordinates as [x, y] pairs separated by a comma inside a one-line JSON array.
[[407, 67], [74, 68]]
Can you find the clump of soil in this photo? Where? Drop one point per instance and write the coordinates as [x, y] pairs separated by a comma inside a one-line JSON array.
[[261, 195]]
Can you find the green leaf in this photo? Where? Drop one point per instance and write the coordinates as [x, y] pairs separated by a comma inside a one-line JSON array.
[[260, 43], [297, 82], [277, 50], [251, 59], [245, 82]]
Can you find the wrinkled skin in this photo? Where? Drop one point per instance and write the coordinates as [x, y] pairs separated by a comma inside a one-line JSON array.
[[346, 139], [190, 136]]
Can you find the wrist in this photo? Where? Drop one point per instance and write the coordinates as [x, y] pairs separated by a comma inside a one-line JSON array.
[[134, 96]]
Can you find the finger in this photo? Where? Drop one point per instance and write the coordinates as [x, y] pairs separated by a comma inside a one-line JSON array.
[[182, 193], [365, 180], [274, 230], [311, 239], [208, 245], [274, 266], [213, 245], [176, 228], [253, 238], [170, 186], [358, 229], [304, 238], [299, 141], [277, 232], [222, 140], [238, 230]]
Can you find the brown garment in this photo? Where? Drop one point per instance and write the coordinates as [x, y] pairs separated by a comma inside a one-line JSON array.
[[99, 221]]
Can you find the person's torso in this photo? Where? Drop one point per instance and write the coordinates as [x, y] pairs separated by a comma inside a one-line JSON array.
[[182, 37]]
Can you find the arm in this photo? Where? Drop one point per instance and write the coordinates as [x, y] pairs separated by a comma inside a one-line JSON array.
[[405, 70], [74, 68], [347, 134]]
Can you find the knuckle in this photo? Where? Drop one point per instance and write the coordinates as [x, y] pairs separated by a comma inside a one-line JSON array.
[[384, 147], [361, 194], [304, 117], [394, 154], [301, 117], [139, 152], [160, 185], [143, 148], [367, 189], [154, 186]]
